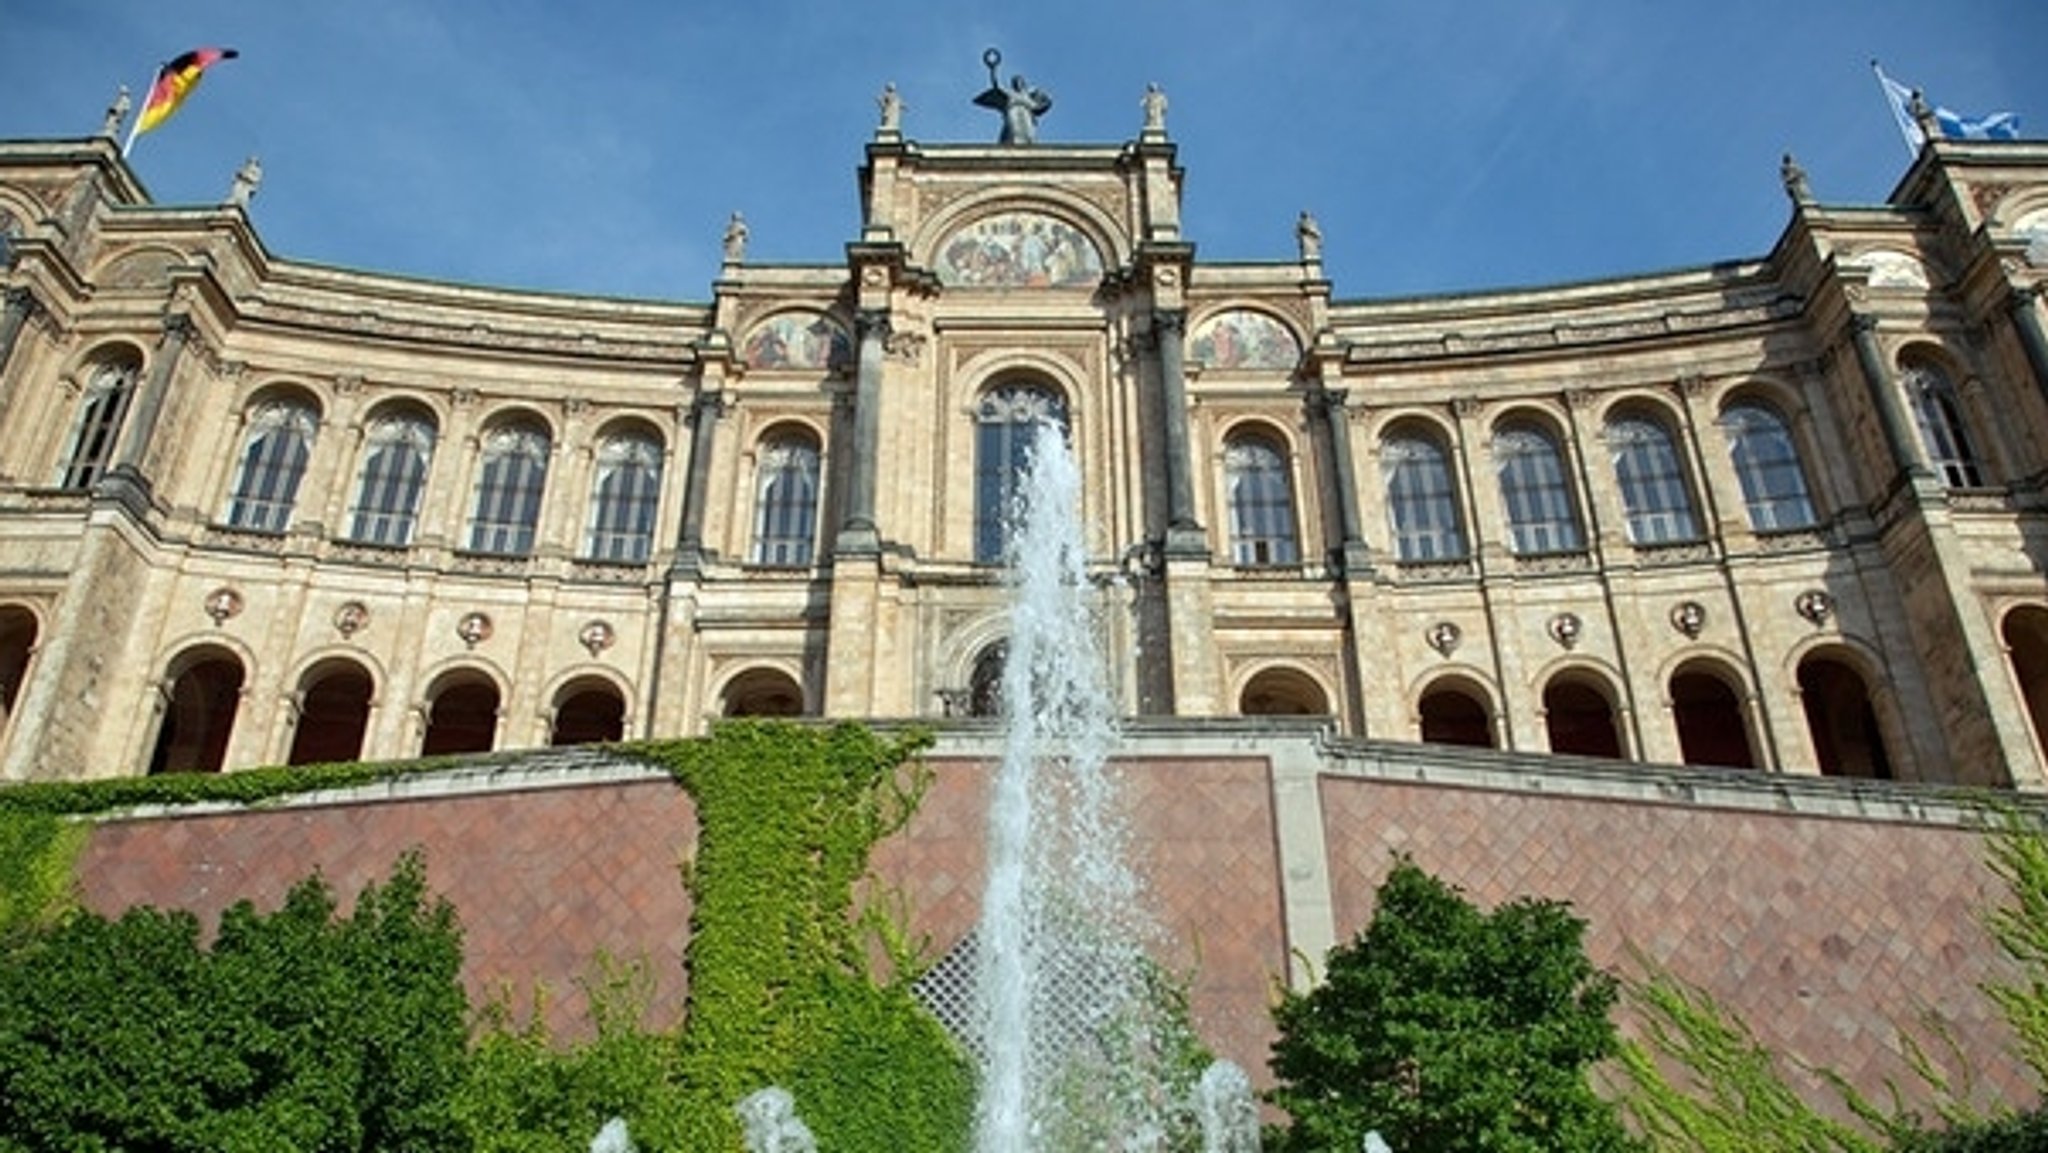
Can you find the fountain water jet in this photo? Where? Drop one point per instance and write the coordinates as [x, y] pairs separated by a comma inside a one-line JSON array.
[[1071, 1053]]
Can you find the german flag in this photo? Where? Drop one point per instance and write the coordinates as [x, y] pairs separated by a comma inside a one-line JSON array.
[[175, 81]]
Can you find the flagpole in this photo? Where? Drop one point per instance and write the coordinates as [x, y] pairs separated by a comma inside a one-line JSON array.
[[1909, 130], [148, 90]]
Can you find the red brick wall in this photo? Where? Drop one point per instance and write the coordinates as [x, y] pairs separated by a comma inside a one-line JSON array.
[[1823, 934], [543, 880], [1204, 835]]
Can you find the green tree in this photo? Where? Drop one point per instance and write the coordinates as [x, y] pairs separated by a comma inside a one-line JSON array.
[[1447, 1028], [297, 1030]]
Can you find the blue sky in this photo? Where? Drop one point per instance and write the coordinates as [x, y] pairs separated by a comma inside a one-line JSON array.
[[598, 147]]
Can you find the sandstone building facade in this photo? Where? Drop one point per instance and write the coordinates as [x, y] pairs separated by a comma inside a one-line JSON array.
[[1787, 514]]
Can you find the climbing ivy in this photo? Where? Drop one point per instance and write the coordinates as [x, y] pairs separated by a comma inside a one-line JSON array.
[[789, 982]]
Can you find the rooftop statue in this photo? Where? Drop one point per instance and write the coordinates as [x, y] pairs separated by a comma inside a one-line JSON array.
[[1020, 103]]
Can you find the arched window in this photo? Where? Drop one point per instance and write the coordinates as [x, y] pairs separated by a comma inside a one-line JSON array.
[[1282, 693], [1454, 715], [1421, 498], [1006, 421], [18, 634], [1580, 719], [1767, 463], [588, 712], [275, 448], [512, 476], [463, 717], [100, 412], [763, 693], [2026, 640], [334, 713], [1711, 727], [624, 494], [1261, 503], [1653, 491], [199, 716], [985, 683], [786, 501], [1841, 720], [397, 448], [1938, 412], [1541, 517]]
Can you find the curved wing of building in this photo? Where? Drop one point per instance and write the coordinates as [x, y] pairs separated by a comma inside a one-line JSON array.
[[1782, 513]]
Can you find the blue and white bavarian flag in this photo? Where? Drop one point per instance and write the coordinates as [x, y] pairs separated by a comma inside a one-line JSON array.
[[1953, 125]]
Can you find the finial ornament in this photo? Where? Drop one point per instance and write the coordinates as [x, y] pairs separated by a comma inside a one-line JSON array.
[[1154, 105], [1795, 180], [248, 178], [1309, 235], [891, 105], [1020, 104], [116, 113], [736, 239]]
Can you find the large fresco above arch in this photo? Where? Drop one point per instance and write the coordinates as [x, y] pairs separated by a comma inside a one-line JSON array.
[[796, 340], [1019, 250], [1243, 338]]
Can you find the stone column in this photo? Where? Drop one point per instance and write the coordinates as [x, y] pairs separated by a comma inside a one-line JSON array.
[[1184, 536], [124, 480], [1331, 404], [704, 414], [2026, 320], [857, 532], [1892, 417]]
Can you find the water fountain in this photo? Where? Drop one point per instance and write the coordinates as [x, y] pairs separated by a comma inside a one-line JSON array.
[[1071, 1050]]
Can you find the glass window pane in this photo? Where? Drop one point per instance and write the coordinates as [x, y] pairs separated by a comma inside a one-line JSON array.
[[1421, 499], [396, 452], [624, 495], [1767, 464], [1654, 496], [511, 478], [1261, 504], [786, 503], [1541, 517], [275, 448]]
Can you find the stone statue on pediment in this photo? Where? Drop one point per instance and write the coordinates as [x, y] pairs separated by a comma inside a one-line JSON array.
[[1020, 104]]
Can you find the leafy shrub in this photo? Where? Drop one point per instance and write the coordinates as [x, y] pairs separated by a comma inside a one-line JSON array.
[[1447, 1028], [294, 1031]]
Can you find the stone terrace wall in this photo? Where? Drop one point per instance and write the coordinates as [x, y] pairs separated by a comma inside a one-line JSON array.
[[547, 867], [1825, 912]]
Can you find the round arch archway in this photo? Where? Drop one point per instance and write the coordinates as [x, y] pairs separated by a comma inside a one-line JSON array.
[[200, 705]]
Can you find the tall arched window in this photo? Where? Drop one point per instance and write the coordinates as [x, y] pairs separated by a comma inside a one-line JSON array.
[[397, 448], [512, 475], [1421, 499], [1541, 517], [1653, 491], [1767, 463], [1261, 503], [786, 501], [334, 714], [1006, 421], [1939, 413], [199, 715], [100, 410], [275, 447], [624, 494], [1847, 741], [463, 716], [1580, 719], [1712, 729]]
